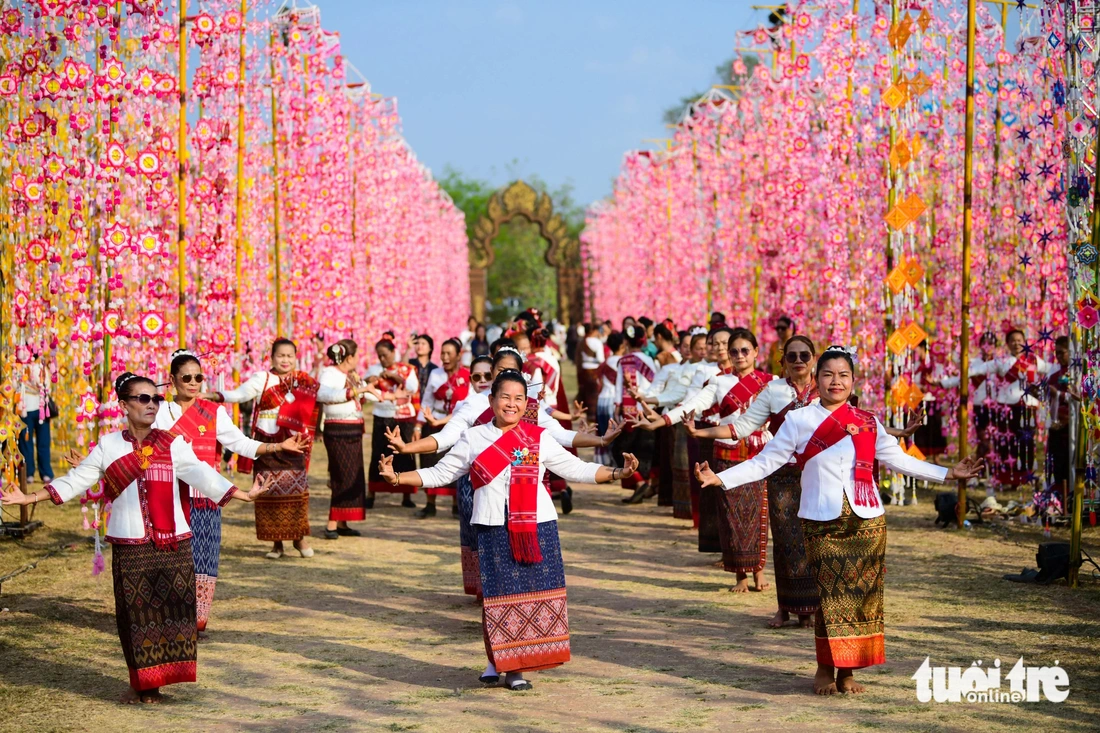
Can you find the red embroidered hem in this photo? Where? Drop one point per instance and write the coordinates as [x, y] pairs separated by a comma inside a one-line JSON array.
[[442, 491], [851, 652], [228, 496], [171, 673], [347, 514], [54, 496]]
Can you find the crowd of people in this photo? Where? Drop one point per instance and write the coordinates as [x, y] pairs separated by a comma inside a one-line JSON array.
[[732, 438]]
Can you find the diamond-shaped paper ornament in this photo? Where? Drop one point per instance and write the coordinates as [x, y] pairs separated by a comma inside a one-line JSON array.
[[914, 398], [897, 343], [901, 33], [919, 84], [900, 391], [913, 333], [916, 145], [901, 152], [913, 206], [924, 20], [914, 451], [893, 97], [914, 272], [897, 218], [896, 279]]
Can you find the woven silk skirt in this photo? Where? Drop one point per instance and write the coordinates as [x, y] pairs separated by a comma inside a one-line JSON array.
[[743, 521], [206, 540], [524, 615], [681, 474], [794, 579], [605, 406], [663, 464], [848, 558], [379, 447], [347, 475], [705, 501], [467, 535], [283, 512], [155, 612]]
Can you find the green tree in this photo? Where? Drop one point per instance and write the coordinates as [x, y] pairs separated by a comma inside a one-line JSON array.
[[520, 277]]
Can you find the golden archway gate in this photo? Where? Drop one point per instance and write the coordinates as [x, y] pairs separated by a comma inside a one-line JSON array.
[[562, 252]]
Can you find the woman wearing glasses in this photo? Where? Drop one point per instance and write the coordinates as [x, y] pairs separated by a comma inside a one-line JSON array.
[[205, 425], [143, 469], [446, 388]]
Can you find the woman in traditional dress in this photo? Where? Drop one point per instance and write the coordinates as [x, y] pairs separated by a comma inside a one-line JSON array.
[[607, 372], [151, 561], [287, 405], [634, 374], [795, 586], [396, 406], [446, 388], [1020, 373], [343, 437], [667, 359], [843, 520], [205, 426], [522, 576]]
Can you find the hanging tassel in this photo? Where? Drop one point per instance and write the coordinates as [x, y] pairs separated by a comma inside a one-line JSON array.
[[95, 521], [84, 511], [98, 563]]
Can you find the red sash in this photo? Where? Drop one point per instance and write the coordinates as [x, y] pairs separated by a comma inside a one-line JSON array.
[[799, 401], [549, 374], [519, 449], [1024, 368], [454, 390], [606, 371], [150, 465], [632, 366], [298, 411], [744, 392], [199, 427], [408, 407], [847, 421], [977, 380]]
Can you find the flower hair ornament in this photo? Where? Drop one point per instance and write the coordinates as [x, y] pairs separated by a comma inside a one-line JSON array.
[[338, 351], [129, 376], [510, 350], [183, 352], [697, 331], [849, 350]]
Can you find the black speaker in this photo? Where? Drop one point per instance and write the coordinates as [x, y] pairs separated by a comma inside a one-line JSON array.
[[1053, 561]]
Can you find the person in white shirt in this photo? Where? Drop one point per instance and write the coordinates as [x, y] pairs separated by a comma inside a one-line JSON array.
[[836, 445], [517, 534], [342, 433], [34, 439], [1020, 373], [446, 387], [397, 405], [151, 562], [983, 378], [605, 402], [465, 339], [633, 375], [667, 360], [590, 353]]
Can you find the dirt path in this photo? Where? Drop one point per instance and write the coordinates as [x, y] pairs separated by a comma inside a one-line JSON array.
[[375, 634]]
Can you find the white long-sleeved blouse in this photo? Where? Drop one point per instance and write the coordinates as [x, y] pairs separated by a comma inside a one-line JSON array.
[[229, 435], [491, 500], [830, 475], [474, 406], [711, 395], [258, 383], [388, 408], [772, 400], [129, 521], [349, 411]]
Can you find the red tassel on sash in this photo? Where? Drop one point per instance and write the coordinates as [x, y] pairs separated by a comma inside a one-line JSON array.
[[847, 421], [519, 449]]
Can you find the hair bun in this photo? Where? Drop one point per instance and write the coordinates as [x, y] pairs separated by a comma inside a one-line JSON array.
[[122, 379]]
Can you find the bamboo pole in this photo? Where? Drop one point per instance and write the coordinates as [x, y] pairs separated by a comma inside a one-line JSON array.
[[968, 224], [275, 194], [181, 180], [237, 251]]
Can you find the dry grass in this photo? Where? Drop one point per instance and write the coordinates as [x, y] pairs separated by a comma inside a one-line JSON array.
[[375, 634]]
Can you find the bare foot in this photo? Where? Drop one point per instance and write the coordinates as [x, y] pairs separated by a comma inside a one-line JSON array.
[[130, 697], [805, 621], [780, 618], [758, 581], [824, 684], [150, 697], [719, 564], [846, 682], [741, 587]]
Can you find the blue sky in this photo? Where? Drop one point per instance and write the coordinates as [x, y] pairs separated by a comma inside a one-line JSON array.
[[564, 88]]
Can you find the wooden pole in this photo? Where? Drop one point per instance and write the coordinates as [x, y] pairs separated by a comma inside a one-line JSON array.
[[275, 194], [238, 250], [181, 181], [968, 225]]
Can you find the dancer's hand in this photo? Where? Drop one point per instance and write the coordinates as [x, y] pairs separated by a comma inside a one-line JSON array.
[[649, 412], [432, 419], [393, 436], [579, 411], [295, 444], [73, 457], [689, 424], [584, 427], [385, 470], [630, 464], [14, 497], [614, 427], [968, 468], [916, 419], [262, 484], [641, 423], [706, 476]]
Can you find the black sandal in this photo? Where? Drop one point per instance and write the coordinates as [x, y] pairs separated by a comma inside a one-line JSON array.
[[489, 679], [520, 686]]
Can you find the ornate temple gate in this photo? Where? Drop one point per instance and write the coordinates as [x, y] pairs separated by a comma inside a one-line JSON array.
[[563, 252]]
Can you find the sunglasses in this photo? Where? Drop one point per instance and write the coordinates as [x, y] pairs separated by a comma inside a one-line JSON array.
[[743, 351], [188, 378], [793, 357], [145, 399], [481, 377]]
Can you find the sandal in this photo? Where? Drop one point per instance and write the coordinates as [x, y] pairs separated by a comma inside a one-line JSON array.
[[308, 552], [274, 555], [520, 686], [489, 679]]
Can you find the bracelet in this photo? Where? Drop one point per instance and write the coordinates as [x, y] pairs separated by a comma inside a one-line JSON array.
[[397, 478]]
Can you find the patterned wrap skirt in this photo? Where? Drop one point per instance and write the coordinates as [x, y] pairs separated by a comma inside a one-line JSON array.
[[379, 447], [743, 523], [639, 443], [347, 476], [283, 512], [155, 612], [663, 465], [427, 460], [794, 579], [706, 501], [467, 536], [848, 558], [524, 614], [681, 474], [206, 540], [605, 407]]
